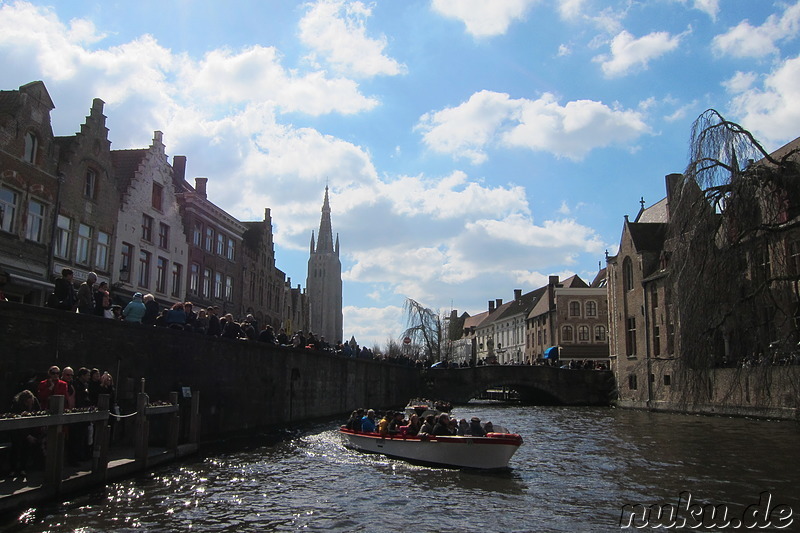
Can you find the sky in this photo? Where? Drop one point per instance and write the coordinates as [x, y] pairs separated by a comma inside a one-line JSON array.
[[471, 147]]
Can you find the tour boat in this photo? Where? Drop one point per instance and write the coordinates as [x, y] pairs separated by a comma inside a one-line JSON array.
[[489, 452]]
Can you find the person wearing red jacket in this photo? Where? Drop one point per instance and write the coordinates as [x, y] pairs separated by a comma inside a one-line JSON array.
[[51, 386]]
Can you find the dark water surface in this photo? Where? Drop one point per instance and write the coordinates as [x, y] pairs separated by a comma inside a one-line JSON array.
[[577, 468]]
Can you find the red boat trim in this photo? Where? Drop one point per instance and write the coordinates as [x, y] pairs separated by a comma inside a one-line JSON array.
[[491, 438]]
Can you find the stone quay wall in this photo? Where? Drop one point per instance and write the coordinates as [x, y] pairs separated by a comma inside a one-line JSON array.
[[243, 384]]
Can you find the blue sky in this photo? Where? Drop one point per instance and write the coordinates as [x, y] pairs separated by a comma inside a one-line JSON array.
[[471, 147]]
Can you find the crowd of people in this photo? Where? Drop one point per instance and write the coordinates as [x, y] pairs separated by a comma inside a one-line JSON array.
[[395, 424], [81, 389]]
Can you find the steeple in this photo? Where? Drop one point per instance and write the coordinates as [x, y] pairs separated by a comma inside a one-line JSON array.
[[325, 239]]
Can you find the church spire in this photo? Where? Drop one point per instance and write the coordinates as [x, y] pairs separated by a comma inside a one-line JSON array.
[[325, 239]]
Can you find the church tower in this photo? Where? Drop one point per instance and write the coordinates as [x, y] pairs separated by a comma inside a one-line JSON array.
[[324, 282]]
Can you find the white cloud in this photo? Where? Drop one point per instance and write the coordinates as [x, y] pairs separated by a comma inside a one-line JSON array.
[[745, 40], [255, 74], [490, 119], [709, 7], [336, 30], [482, 18], [770, 112], [629, 53]]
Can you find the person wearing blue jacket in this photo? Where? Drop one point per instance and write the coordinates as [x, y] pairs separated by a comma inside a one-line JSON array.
[[134, 311]]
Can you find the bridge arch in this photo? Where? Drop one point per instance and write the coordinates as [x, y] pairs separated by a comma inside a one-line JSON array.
[[538, 385]]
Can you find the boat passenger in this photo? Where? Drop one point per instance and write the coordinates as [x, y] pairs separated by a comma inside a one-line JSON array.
[[427, 427], [368, 422], [463, 427], [383, 425], [396, 423], [413, 426], [475, 428], [442, 426], [354, 422], [488, 427]]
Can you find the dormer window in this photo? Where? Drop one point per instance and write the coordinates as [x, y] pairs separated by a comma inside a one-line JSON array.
[[31, 145]]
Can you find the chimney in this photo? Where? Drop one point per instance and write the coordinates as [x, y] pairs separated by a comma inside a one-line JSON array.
[[491, 306], [200, 186], [517, 294], [179, 168], [552, 280], [498, 302]]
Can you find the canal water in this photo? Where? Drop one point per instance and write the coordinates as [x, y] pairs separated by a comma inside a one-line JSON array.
[[575, 471]]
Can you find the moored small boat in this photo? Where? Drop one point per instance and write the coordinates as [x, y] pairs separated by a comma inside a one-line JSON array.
[[490, 452]]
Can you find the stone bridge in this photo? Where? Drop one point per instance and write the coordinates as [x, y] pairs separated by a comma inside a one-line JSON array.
[[537, 385]]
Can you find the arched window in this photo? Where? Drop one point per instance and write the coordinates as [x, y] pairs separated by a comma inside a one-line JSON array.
[[591, 308], [31, 144], [583, 333], [574, 309], [566, 334], [627, 274], [600, 333]]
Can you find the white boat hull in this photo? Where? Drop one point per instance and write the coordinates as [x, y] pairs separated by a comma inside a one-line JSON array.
[[490, 452]]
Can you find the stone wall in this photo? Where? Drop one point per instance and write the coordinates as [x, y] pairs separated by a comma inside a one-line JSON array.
[[242, 384]]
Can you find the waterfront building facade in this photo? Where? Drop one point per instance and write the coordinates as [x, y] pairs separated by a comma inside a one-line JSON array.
[[29, 193], [263, 293], [86, 223], [151, 248], [324, 282], [214, 264]]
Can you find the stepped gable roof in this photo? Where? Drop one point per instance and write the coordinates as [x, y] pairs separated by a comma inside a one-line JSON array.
[[647, 237], [126, 163], [655, 214]]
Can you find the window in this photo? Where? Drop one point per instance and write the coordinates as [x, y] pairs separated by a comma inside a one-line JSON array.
[[656, 341], [209, 244], [218, 285], [197, 235], [63, 236], [591, 308], [158, 196], [161, 274], [583, 333], [101, 250], [566, 334], [667, 380], [89, 184], [84, 244], [194, 278], [147, 228], [630, 337], [654, 297], [207, 282], [8, 209], [163, 235], [600, 333], [632, 385], [31, 146], [220, 244], [144, 269], [231, 248], [229, 288], [33, 232], [177, 275], [125, 264], [574, 309], [627, 274]]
